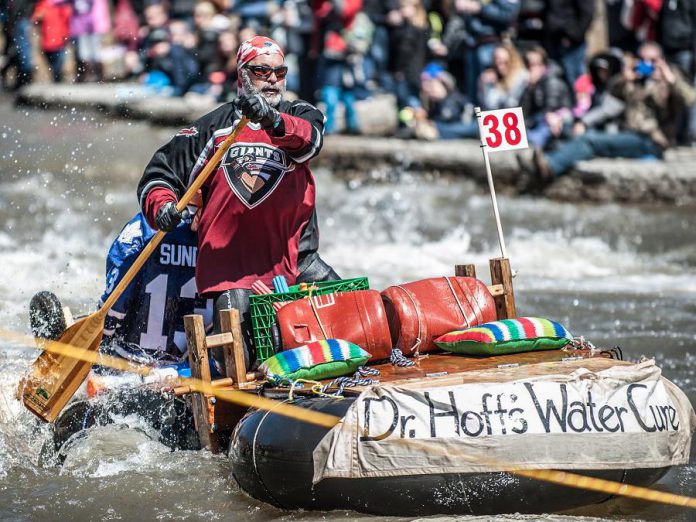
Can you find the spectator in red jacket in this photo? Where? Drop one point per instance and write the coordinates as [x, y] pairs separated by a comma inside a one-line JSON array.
[[338, 60], [53, 16]]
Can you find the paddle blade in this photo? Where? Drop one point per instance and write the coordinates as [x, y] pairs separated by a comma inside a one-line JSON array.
[[54, 378]]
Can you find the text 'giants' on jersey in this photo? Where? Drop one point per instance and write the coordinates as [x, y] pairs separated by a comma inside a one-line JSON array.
[[254, 170]]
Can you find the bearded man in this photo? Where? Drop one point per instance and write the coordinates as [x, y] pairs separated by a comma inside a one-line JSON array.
[[258, 219]]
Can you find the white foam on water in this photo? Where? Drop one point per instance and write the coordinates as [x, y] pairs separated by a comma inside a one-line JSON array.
[[412, 230], [53, 247], [542, 261], [22, 436], [550, 260], [392, 263], [514, 517], [106, 451]]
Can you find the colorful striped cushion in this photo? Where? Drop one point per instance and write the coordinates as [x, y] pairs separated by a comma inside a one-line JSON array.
[[523, 334], [315, 361]]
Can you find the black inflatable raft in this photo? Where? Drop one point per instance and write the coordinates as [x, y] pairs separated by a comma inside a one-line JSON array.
[[271, 457]]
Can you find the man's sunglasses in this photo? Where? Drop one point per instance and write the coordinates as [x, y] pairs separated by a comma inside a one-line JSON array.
[[264, 71]]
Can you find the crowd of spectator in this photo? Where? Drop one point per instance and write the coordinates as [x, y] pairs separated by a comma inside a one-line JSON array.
[[439, 58]]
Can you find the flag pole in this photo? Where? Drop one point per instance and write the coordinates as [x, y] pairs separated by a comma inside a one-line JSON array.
[[494, 200]]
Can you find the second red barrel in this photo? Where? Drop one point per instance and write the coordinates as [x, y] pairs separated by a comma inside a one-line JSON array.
[[420, 311]]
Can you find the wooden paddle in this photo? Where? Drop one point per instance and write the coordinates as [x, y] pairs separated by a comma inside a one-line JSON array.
[[54, 379]]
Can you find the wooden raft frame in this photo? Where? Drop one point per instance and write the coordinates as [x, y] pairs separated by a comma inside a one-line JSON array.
[[501, 285], [214, 419]]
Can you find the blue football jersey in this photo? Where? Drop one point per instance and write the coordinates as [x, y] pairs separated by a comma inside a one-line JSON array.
[[146, 322]]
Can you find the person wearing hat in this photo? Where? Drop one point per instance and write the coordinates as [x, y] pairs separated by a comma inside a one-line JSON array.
[[258, 218], [445, 107]]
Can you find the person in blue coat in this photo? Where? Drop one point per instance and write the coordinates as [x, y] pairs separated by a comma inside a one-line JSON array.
[[146, 323]]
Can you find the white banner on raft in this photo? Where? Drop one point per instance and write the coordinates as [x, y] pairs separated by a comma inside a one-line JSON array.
[[623, 417]]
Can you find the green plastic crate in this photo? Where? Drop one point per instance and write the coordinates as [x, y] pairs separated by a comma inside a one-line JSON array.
[[263, 315]]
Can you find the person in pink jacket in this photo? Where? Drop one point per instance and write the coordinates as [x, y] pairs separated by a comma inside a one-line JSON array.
[[90, 21]]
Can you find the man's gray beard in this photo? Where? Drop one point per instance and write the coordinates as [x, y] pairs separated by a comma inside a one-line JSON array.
[[249, 89]]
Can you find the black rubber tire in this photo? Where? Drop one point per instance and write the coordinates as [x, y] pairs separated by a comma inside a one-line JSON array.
[[46, 316]]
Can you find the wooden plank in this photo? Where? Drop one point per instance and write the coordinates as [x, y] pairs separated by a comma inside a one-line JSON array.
[[465, 271], [445, 367], [235, 363], [228, 415], [496, 290], [502, 274], [217, 383], [203, 405], [505, 374], [214, 341]]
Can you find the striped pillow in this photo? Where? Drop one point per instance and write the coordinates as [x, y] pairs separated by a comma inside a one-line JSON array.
[[523, 334], [315, 361]]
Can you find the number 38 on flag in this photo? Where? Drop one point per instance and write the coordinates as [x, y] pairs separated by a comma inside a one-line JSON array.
[[503, 129]]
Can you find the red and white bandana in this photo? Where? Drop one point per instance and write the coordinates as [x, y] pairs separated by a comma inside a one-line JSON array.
[[257, 46]]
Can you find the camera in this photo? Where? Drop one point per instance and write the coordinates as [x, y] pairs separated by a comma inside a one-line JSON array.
[[644, 68]]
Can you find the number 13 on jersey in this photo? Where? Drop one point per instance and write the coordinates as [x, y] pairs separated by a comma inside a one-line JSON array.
[[503, 129]]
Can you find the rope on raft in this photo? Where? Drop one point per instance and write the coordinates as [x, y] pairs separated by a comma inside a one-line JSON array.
[[359, 378], [615, 353], [397, 359], [346, 382], [580, 343]]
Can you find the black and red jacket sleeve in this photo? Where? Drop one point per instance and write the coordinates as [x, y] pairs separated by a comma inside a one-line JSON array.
[[302, 133], [174, 166]]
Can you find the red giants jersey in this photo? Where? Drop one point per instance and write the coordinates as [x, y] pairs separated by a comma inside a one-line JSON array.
[[258, 202]]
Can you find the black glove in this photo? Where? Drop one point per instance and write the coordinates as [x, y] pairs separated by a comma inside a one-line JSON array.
[[168, 217], [258, 110]]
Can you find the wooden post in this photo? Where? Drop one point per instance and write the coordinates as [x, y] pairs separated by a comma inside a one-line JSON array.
[[502, 274], [235, 363], [465, 271], [203, 405]]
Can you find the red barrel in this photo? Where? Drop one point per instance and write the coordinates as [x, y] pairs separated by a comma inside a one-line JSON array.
[[424, 310], [357, 317]]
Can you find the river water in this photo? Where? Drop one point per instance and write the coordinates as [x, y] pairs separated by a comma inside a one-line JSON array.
[[618, 275]]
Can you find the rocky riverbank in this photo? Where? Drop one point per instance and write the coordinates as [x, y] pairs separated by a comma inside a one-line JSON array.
[[378, 157]]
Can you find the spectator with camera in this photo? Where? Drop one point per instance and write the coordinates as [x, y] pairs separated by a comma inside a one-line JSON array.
[[653, 94]]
